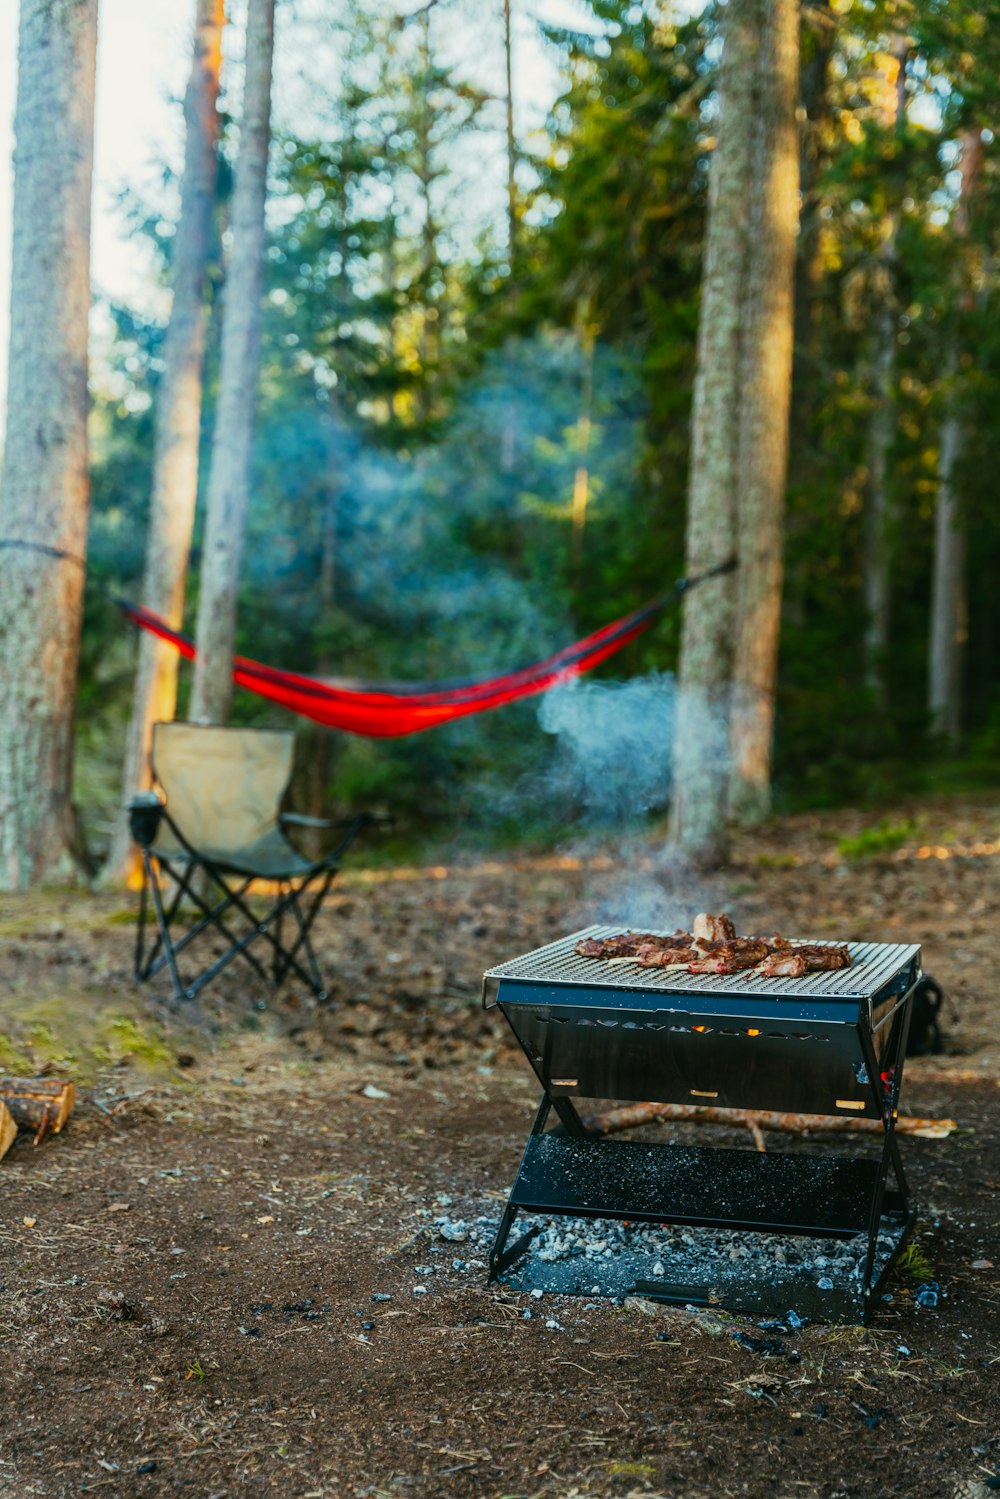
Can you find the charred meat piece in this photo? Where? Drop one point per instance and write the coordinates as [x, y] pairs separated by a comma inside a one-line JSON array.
[[786, 964], [732, 957], [818, 956], [713, 928], [654, 956], [628, 944]]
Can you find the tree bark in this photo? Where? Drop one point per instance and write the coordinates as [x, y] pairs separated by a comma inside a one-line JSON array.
[[882, 419], [229, 478], [44, 488], [949, 621], [511, 141], [765, 398], [178, 421], [698, 829], [722, 750], [632, 1115]]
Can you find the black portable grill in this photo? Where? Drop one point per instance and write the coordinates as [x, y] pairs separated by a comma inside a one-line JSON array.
[[828, 1043]]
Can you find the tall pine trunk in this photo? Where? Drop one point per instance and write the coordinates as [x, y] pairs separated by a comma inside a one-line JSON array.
[[765, 397], [698, 813], [229, 478], [722, 747], [178, 418], [882, 418], [44, 489], [949, 605]]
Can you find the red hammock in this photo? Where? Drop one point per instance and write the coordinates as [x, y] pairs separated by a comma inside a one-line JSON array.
[[386, 711]]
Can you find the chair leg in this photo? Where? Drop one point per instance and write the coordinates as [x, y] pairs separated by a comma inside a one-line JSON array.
[[164, 929]]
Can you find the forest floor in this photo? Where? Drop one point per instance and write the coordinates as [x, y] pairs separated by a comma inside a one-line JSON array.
[[209, 1281]]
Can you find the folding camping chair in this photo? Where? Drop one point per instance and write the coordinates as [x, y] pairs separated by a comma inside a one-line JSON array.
[[212, 830]]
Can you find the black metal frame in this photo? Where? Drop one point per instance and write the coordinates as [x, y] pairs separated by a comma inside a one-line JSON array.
[[300, 895], [566, 1170]]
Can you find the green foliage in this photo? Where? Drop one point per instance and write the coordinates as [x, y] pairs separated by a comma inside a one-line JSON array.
[[885, 838], [913, 1264]]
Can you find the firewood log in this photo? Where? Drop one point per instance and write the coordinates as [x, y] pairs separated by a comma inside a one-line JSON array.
[[8, 1130], [650, 1113], [39, 1103]]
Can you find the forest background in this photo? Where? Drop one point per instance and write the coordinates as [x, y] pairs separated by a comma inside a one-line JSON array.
[[473, 428]]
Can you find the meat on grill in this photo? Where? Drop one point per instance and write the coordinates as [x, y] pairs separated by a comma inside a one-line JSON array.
[[713, 928], [712, 946]]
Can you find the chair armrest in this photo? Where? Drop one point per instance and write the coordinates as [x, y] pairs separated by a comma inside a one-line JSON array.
[[360, 819], [300, 820]]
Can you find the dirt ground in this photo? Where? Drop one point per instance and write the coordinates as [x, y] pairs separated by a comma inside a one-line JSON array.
[[255, 1260]]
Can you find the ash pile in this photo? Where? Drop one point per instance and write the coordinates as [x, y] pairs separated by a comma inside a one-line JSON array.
[[608, 1257]]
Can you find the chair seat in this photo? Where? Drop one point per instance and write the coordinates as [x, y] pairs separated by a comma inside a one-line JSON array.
[[270, 857]]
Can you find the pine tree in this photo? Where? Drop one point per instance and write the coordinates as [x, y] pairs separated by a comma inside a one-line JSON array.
[[44, 485], [178, 417], [229, 478]]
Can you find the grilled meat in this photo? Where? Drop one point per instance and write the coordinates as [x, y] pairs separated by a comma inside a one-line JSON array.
[[713, 928], [712, 946]]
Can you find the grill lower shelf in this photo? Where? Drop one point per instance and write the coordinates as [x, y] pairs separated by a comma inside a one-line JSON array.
[[696, 1185]]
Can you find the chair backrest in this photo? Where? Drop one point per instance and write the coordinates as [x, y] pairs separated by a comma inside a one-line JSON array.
[[223, 786]]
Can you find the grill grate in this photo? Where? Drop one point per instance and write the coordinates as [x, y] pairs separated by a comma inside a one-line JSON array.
[[873, 965]]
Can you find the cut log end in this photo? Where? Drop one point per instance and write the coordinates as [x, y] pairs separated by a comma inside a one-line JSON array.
[[8, 1129]]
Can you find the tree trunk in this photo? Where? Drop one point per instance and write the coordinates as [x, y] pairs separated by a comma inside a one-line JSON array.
[[178, 420], [948, 628], [765, 396], [882, 420], [229, 478], [508, 54], [44, 488], [738, 447], [949, 624]]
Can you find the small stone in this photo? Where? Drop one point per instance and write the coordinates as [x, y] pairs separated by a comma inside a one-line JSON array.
[[455, 1233], [825, 1283], [537, 1294], [370, 1091], [420, 1290], [526, 1314], [381, 1296], [658, 1268]]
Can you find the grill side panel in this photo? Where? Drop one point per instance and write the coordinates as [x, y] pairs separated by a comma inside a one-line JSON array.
[[580, 1051]]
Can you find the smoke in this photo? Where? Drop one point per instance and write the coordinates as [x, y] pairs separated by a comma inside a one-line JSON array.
[[613, 747]]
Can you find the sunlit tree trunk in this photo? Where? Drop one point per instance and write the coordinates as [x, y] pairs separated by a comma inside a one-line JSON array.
[[765, 395], [698, 814], [44, 489], [949, 611], [229, 477], [512, 216], [882, 420], [178, 418]]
